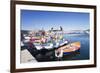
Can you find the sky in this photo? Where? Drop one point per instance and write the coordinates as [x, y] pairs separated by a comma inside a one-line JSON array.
[[36, 20]]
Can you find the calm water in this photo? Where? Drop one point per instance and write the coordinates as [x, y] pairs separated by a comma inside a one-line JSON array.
[[84, 40]]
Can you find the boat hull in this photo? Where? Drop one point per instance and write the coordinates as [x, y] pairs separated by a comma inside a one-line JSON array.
[[73, 47], [69, 53]]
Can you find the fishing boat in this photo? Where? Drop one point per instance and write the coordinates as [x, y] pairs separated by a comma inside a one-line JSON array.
[[49, 45], [71, 47]]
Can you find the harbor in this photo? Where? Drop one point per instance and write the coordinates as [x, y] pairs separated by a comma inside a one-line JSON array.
[[51, 45]]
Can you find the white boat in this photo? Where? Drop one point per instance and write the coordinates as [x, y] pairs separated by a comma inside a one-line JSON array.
[[49, 45]]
